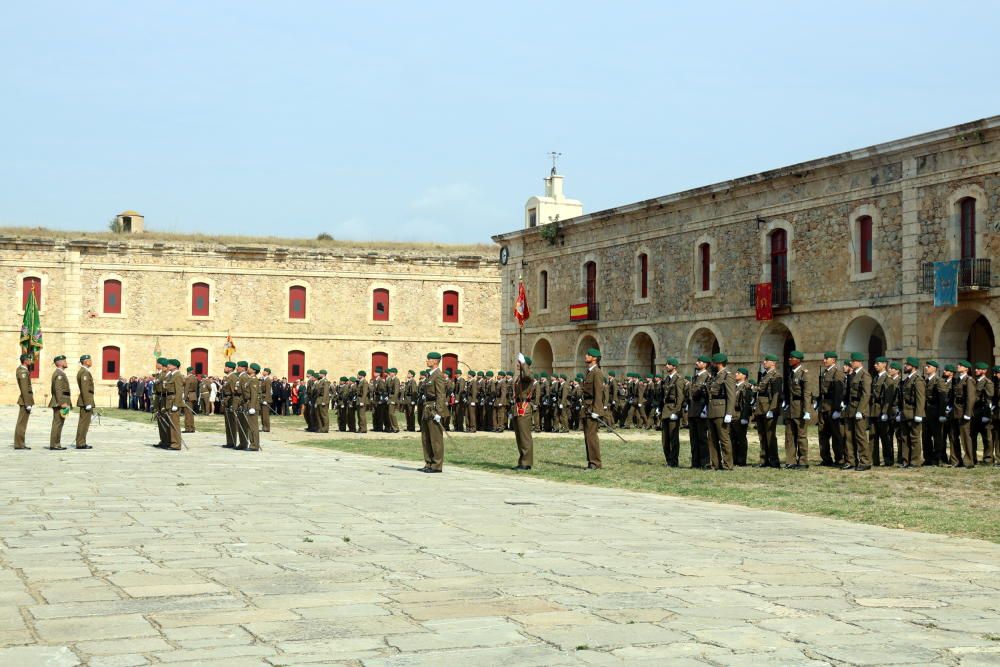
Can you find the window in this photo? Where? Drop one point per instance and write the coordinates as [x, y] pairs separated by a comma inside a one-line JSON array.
[[199, 299], [199, 361], [29, 285], [779, 257], [449, 362], [110, 359], [113, 297], [296, 365], [297, 302], [865, 242], [532, 217], [590, 273], [543, 289], [379, 360], [450, 306], [967, 208], [380, 305], [705, 266], [643, 276]]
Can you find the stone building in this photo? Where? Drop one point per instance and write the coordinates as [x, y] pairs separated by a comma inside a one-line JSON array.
[[288, 304], [845, 241]]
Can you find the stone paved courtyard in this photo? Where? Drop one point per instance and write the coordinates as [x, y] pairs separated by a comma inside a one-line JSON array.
[[129, 555]]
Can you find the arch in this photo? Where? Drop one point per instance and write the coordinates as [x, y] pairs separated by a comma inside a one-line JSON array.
[[641, 354], [954, 217], [37, 282], [967, 332], [449, 361], [381, 302], [865, 333], [541, 355], [199, 361], [379, 360], [111, 362], [583, 343], [778, 339], [704, 338]]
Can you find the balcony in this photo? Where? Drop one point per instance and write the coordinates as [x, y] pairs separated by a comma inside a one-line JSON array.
[[584, 312], [973, 274], [781, 295]]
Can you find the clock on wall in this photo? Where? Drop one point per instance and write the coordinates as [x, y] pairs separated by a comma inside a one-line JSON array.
[[504, 255]]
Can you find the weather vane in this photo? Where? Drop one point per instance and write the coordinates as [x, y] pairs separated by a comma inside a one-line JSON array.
[[555, 156]]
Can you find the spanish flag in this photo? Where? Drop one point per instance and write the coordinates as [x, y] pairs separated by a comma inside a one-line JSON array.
[[521, 311], [579, 311]]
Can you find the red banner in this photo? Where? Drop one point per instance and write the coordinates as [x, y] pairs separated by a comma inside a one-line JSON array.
[[521, 311], [763, 301]]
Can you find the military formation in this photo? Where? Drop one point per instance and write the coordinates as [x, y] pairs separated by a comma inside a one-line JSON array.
[[906, 414]]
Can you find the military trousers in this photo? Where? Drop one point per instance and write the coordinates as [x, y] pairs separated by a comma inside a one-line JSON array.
[[796, 441], [720, 447], [242, 428], [21, 428], [961, 442], [934, 443], [253, 433], [393, 423], [174, 424], [883, 442], [411, 417], [592, 441], [738, 436], [265, 417], [698, 433], [361, 419], [525, 440], [432, 439], [205, 405], [982, 431], [831, 439], [55, 435], [767, 434], [163, 426], [323, 419], [231, 428], [189, 416], [670, 438], [470, 418], [911, 450], [860, 449], [83, 427]]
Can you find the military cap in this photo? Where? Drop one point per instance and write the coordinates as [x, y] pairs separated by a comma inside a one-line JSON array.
[[672, 361], [528, 360], [579, 376], [241, 364], [881, 360], [719, 358], [353, 379], [659, 376], [913, 361], [795, 354], [704, 358], [743, 371], [931, 362], [190, 368], [594, 352], [447, 371], [611, 373], [255, 367], [898, 366], [770, 357], [480, 374], [25, 357], [232, 364], [996, 369], [458, 371], [753, 383], [423, 372], [982, 366], [857, 356], [174, 362], [161, 361], [361, 374], [411, 372], [267, 370], [543, 374], [433, 355], [649, 376], [563, 376], [310, 372], [950, 367], [830, 355], [489, 374], [343, 378], [84, 357], [60, 357], [964, 362], [323, 372]]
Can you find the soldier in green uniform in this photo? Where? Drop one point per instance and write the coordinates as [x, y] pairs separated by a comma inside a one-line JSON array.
[[935, 415], [84, 401], [340, 403], [190, 399], [674, 394], [172, 403], [524, 389], [797, 415], [251, 394], [419, 400], [434, 410], [205, 395], [880, 424], [461, 399], [996, 416], [266, 396], [240, 405], [363, 403], [393, 389], [322, 403], [721, 408], [157, 403], [832, 384], [309, 402], [60, 401], [741, 418], [25, 401], [472, 392], [409, 402], [859, 392], [593, 406], [698, 413], [912, 406], [229, 389], [982, 415], [964, 402], [767, 410]]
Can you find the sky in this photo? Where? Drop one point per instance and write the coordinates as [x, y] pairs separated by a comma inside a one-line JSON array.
[[432, 121]]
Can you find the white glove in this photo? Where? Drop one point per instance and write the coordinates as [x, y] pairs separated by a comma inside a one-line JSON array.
[[784, 405], [858, 415], [885, 418], [948, 409], [967, 418], [806, 417], [899, 418], [744, 422], [673, 416], [704, 412], [27, 408], [520, 357], [942, 419], [560, 406], [770, 414], [843, 405], [727, 419], [593, 415], [918, 419], [437, 419], [173, 409], [836, 414], [473, 403], [986, 420], [263, 402], [815, 405], [251, 411]]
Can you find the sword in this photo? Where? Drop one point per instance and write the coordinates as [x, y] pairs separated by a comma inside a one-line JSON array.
[[605, 425]]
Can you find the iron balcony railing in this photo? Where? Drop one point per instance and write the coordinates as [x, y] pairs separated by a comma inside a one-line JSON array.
[[973, 274], [781, 295]]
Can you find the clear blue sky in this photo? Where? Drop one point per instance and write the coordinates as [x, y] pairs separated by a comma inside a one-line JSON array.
[[431, 121]]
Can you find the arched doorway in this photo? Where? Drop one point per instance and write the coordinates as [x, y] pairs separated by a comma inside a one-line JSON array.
[[967, 334], [703, 341], [777, 339], [642, 354], [585, 343], [541, 356], [865, 334]]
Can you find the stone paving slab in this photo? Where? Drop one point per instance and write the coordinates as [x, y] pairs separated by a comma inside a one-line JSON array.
[[126, 555]]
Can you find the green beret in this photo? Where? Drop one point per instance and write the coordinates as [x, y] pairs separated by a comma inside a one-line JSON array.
[[898, 366], [982, 366], [649, 376], [25, 357], [61, 357], [489, 374], [770, 357], [950, 367], [242, 364], [795, 354], [310, 372], [829, 355], [190, 368], [881, 360], [594, 352], [611, 373], [659, 376], [563, 376], [996, 369], [753, 383], [161, 361], [447, 371], [528, 360], [353, 379], [393, 370], [964, 362], [672, 361], [174, 362], [411, 372], [267, 370], [458, 371], [361, 374], [480, 374], [433, 355], [931, 362], [542, 374], [323, 372], [579, 376], [857, 356], [913, 361], [705, 358], [719, 358], [423, 372], [743, 371], [84, 357], [343, 378], [232, 364], [255, 367]]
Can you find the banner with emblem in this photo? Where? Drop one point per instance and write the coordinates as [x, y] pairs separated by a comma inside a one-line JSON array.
[[31, 329], [157, 353], [762, 294], [521, 311], [229, 349], [946, 284]]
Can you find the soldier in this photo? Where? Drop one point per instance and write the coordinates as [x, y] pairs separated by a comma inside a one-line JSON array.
[[420, 401], [190, 399], [698, 413], [157, 406], [935, 415], [60, 401], [25, 401], [84, 401], [524, 389], [434, 410], [895, 417], [964, 402], [461, 400], [576, 401], [797, 414], [674, 391], [912, 406], [741, 419], [831, 395], [229, 389], [721, 407], [205, 395], [859, 392], [392, 386], [883, 397], [253, 399], [472, 389], [322, 403], [996, 416], [982, 415], [364, 401], [767, 410], [565, 391], [240, 405], [266, 397], [308, 405], [593, 406], [500, 403], [173, 395], [410, 397]]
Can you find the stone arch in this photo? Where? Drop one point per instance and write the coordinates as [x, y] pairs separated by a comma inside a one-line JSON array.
[[541, 355], [865, 333], [641, 351], [585, 341], [704, 338], [776, 338], [969, 331]]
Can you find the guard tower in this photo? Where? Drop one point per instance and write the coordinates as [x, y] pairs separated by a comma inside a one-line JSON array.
[[553, 205], [131, 222]]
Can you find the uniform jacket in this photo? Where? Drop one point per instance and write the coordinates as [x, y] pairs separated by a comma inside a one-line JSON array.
[[744, 401], [26, 396], [880, 402], [721, 395], [912, 396], [984, 398], [191, 387], [85, 385], [935, 397], [799, 394], [60, 395], [859, 393], [524, 389], [673, 396], [768, 394], [698, 393], [436, 395], [174, 387], [963, 395], [593, 390], [891, 397], [266, 390]]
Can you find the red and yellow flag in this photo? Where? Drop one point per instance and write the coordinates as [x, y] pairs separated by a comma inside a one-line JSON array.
[[521, 310], [229, 349], [764, 303], [579, 311]]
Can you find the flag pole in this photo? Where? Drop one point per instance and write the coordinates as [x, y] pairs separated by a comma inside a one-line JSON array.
[[520, 323]]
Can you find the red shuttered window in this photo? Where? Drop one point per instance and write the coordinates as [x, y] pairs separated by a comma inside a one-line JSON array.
[[380, 305], [27, 285], [110, 362], [112, 297], [297, 302], [199, 299], [296, 365], [450, 306]]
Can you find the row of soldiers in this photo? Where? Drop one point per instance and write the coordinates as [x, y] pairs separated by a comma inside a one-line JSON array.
[[60, 401]]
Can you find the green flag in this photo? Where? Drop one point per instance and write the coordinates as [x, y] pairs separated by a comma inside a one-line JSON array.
[[156, 349], [31, 329]]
